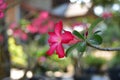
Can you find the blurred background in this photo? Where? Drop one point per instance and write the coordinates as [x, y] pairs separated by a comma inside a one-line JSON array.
[[24, 34]]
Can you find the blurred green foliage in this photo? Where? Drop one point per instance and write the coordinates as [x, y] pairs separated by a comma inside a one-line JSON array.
[[92, 61], [115, 61]]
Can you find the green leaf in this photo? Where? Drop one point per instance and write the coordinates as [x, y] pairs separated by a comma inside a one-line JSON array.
[[97, 32], [96, 39], [78, 35], [70, 49], [93, 25], [81, 47]]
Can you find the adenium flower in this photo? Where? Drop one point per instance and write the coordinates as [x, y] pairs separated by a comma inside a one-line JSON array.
[[13, 25], [42, 24], [74, 41], [57, 38], [1, 14], [18, 33], [44, 15], [24, 36], [3, 6], [32, 29]]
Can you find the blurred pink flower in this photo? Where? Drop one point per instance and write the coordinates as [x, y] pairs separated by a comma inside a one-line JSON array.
[[3, 6], [18, 33], [23, 36], [107, 15], [32, 28], [13, 25], [42, 24], [57, 38], [1, 1], [42, 59], [1, 14], [43, 15]]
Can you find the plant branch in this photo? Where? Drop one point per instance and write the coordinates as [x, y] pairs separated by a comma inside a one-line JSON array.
[[104, 49]]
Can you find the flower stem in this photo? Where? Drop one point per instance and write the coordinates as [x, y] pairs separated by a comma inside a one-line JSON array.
[[103, 49]]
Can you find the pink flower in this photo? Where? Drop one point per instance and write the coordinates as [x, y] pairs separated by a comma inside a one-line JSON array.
[[1, 14], [32, 28], [44, 15], [3, 6], [74, 41], [24, 36], [42, 24], [1, 1], [13, 25], [57, 38], [106, 15], [42, 59], [17, 32]]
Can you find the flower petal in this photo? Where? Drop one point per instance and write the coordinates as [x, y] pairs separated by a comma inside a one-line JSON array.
[[67, 37], [58, 28], [74, 41], [53, 37], [51, 49], [1, 14], [44, 15], [60, 51]]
